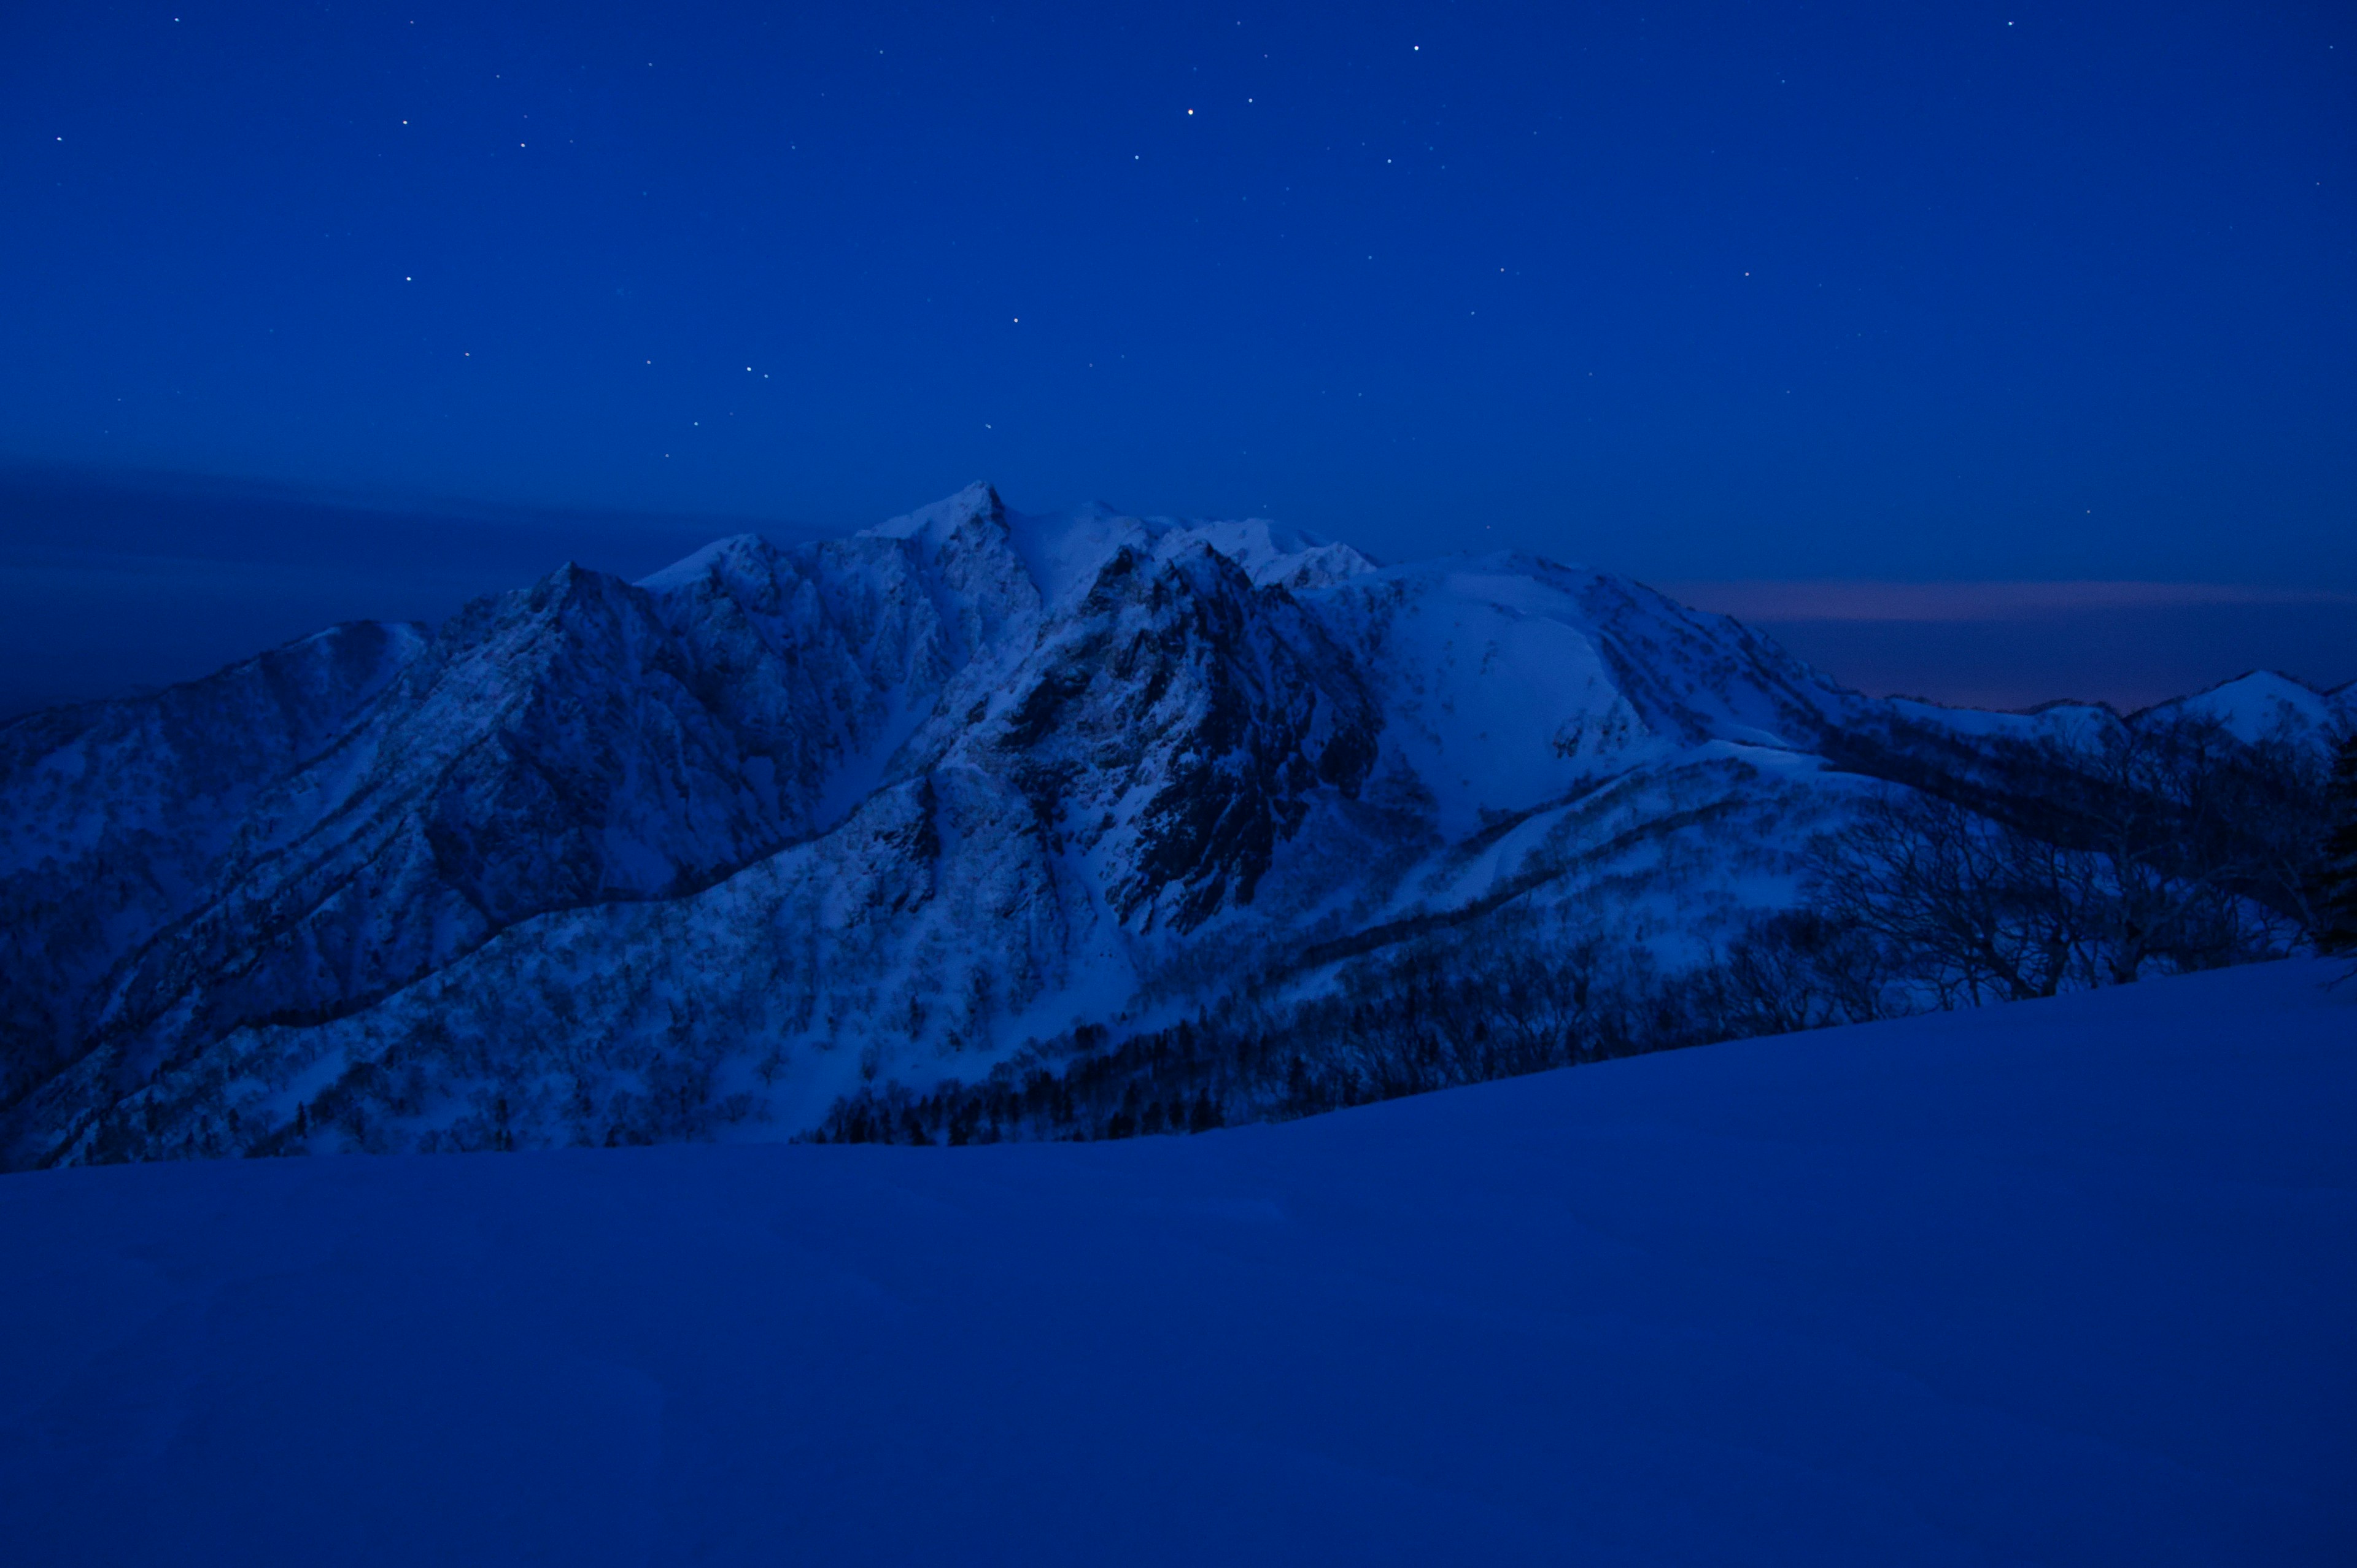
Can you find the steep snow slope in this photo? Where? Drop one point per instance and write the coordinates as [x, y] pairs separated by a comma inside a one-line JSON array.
[[118, 816], [2060, 1283], [604, 862], [1507, 680]]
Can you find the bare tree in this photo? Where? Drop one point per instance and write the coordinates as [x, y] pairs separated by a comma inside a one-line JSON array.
[[2168, 844], [1973, 908], [1801, 969], [2203, 842], [2156, 816], [2331, 885]]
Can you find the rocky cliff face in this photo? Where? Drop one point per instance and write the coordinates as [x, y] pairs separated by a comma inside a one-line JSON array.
[[694, 856]]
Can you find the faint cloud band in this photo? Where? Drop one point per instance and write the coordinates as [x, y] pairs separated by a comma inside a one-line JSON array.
[[1840, 600]]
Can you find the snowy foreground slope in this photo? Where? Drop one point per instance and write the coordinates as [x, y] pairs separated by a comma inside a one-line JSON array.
[[2065, 1282], [699, 857]]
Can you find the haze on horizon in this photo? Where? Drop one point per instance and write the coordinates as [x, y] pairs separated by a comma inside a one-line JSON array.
[[1744, 302]]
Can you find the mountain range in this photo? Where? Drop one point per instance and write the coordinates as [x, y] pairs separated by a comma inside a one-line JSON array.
[[697, 857]]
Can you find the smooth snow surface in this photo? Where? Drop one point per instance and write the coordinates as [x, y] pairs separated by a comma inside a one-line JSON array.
[[2264, 703], [2062, 1282]]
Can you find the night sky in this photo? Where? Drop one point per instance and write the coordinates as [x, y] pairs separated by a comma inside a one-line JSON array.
[[324, 311]]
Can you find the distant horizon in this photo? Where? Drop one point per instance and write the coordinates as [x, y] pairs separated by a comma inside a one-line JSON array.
[[113, 583]]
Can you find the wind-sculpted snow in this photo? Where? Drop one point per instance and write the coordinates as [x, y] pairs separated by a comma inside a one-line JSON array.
[[1508, 680], [695, 856]]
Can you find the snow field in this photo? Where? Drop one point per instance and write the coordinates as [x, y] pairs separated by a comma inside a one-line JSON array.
[[2059, 1282]]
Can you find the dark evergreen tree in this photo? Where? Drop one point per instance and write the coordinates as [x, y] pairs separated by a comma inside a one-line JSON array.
[[2334, 895]]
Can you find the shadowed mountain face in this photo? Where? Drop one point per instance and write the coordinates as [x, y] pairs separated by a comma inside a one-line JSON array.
[[693, 857]]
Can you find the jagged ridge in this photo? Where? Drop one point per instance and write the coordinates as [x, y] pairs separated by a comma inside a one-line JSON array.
[[597, 860]]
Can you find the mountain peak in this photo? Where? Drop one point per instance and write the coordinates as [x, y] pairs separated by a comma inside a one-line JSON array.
[[782, 822], [2260, 704], [979, 502]]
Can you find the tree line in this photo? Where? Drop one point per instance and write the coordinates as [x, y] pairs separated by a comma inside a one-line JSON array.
[[2163, 847]]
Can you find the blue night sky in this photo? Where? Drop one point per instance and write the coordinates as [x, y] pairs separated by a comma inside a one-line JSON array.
[[316, 312]]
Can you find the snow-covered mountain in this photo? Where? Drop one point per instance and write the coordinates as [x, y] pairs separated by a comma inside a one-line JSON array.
[[695, 856]]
